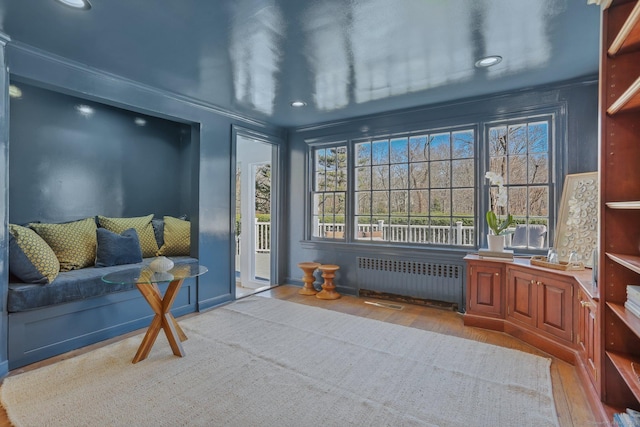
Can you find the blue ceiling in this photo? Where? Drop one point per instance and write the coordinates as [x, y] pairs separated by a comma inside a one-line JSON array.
[[344, 58]]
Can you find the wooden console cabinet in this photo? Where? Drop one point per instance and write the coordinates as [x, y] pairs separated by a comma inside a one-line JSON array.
[[536, 304], [555, 311]]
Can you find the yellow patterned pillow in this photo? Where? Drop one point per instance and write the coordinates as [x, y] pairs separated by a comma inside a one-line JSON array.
[[74, 243], [33, 261], [177, 237], [141, 224]]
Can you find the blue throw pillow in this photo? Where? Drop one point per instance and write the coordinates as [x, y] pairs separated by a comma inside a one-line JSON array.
[[117, 249], [31, 260]]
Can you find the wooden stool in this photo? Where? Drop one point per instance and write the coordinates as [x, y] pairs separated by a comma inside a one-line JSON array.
[[328, 288], [308, 279]]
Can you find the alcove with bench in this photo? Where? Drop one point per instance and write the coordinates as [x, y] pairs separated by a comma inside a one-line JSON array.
[[75, 163]]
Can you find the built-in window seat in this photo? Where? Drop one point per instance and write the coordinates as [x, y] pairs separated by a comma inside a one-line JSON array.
[[71, 286], [79, 309], [57, 300]]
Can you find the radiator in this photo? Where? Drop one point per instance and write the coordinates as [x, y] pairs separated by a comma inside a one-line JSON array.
[[426, 280]]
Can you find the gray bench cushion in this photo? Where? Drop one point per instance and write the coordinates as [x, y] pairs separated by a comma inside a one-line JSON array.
[[71, 286]]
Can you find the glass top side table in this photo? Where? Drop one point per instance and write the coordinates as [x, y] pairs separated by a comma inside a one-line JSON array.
[[147, 280]]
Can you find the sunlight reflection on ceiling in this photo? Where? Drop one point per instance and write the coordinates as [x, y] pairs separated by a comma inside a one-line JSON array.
[[430, 54], [372, 49], [255, 56], [327, 54], [345, 58], [518, 34]]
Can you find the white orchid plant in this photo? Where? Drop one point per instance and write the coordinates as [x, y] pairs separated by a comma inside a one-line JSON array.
[[495, 222]]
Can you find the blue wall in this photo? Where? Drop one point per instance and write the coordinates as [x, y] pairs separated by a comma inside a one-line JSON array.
[[64, 165], [577, 130]]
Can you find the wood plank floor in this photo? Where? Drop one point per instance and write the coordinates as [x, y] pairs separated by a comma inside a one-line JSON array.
[[571, 402]]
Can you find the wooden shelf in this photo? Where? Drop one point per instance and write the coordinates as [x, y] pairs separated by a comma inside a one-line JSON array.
[[624, 205], [632, 322], [628, 101], [622, 362], [619, 157], [629, 261], [629, 36]]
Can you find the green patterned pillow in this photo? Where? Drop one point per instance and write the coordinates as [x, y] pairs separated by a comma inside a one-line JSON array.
[[177, 237], [141, 224], [32, 261], [74, 243]]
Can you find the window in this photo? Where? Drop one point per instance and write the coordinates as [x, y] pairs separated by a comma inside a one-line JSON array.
[[520, 153], [416, 188], [329, 192], [428, 187]]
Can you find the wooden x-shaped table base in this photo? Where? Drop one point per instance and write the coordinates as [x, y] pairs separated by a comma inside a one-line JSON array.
[[162, 320]]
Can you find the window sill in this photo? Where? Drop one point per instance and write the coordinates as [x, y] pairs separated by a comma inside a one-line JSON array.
[[386, 249], [398, 249]]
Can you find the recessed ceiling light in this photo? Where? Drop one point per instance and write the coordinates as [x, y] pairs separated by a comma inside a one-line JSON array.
[[15, 92], [140, 121], [77, 4], [488, 61], [85, 110], [298, 104]]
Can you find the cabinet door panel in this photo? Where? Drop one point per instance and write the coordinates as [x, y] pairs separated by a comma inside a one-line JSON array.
[[587, 334], [555, 308], [486, 289], [522, 297]]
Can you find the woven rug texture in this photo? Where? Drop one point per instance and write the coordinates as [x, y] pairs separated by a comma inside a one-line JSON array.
[[267, 362]]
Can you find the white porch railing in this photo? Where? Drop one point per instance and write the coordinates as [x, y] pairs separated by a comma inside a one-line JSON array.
[[263, 236], [457, 234]]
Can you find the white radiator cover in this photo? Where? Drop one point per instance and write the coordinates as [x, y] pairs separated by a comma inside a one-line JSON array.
[[437, 281]]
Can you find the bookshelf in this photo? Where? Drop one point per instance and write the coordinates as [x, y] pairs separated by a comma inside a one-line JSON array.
[[619, 248]]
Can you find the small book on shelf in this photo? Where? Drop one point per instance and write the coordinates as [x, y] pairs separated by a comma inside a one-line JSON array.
[[505, 255], [632, 307], [623, 419], [634, 299], [633, 292], [635, 416]]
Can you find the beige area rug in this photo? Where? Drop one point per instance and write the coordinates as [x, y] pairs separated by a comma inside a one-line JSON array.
[[267, 362]]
